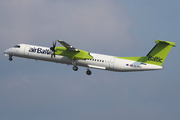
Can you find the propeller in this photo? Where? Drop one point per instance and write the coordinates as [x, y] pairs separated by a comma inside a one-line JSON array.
[[52, 49]]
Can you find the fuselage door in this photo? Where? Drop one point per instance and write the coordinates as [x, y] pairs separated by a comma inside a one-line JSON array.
[[111, 64], [26, 51]]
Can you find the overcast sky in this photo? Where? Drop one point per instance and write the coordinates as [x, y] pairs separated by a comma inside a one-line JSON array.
[[38, 90]]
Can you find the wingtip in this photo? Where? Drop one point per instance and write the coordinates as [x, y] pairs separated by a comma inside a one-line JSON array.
[[60, 40]]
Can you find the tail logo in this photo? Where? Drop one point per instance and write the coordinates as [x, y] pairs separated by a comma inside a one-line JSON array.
[[155, 59]]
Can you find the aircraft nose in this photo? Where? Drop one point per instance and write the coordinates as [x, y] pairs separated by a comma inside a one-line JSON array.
[[8, 51]]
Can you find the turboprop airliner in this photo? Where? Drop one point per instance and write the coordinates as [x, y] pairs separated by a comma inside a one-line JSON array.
[[71, 56]]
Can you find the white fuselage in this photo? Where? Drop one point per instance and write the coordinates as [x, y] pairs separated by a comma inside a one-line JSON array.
[[99, 61]]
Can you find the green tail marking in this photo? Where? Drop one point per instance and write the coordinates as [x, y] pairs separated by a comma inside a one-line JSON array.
[[157, 55]]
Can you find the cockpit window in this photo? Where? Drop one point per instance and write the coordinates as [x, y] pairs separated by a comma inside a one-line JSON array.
[[17, 46]]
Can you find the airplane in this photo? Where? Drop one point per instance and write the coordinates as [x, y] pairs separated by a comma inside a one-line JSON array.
[[71, 56]]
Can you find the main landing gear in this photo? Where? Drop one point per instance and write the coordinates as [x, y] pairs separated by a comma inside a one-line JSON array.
[[10, 58], [88, 72], [75, 68]]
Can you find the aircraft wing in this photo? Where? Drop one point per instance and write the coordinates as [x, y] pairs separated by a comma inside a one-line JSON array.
[[67, 46]]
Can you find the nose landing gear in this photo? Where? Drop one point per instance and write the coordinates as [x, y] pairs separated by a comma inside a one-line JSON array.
[[10, 58]]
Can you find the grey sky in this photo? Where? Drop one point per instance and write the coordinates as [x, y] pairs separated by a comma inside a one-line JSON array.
[[37, 90]]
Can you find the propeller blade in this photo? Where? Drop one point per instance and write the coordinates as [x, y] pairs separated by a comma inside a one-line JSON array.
[[55, 44], [52, 49], [51, 55]]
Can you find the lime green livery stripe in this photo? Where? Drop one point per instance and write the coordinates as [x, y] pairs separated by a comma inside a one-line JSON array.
[[80, 54], [157, 55]]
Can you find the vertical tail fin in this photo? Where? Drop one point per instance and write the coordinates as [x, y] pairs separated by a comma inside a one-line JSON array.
[[159, 53]]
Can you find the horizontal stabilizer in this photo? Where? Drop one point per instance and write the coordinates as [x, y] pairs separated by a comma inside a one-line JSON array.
[[167, 42]]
